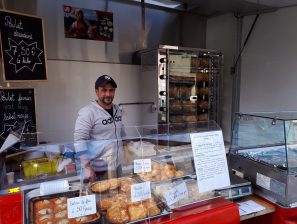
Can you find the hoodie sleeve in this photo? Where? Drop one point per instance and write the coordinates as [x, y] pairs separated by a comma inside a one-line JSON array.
[[83, 125]]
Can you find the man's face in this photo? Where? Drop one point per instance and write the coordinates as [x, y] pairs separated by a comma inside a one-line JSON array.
[[105, 94]]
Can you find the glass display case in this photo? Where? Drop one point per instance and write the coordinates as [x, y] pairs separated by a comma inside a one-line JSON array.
[[147, 173], [264, 150], [184, 83]]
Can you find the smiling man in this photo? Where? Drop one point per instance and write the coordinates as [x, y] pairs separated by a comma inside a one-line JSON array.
[[99, 124]]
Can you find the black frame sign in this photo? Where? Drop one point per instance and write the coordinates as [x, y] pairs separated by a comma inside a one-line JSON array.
[[17, 113], [23, 49]]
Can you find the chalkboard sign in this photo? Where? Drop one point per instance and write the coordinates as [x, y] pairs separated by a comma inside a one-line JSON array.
[[17, 113], [22, 44]]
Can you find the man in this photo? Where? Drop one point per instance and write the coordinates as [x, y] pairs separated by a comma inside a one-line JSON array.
[[79, 28], [99, 124]]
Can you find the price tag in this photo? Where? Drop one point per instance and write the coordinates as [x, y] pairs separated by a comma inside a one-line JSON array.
[[141, 191], [176, 193], [142, 165], [81, 206]]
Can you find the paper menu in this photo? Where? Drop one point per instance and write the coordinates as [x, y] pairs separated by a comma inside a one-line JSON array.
[[248, 207], [210, 160]]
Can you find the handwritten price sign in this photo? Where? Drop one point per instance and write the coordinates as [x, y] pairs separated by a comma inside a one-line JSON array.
[[22, 45], [81, 206], [176, 193], [141, 191], [142, 165]]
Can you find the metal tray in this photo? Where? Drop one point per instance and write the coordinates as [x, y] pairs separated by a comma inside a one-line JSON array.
[[33, 197]]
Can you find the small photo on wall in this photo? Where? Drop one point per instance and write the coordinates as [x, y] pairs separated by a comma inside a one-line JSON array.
[[88, 24]]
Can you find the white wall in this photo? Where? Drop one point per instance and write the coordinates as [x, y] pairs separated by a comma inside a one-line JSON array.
[[269, 63], [221, 35], [73, 65]]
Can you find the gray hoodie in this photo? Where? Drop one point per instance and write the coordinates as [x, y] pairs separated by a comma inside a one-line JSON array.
[[95, 123], [100, 132]]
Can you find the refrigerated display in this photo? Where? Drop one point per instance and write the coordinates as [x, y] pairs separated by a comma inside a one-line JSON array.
[[184, 83], [264, 151]]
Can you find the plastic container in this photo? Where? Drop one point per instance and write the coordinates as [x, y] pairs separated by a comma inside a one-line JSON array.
[[40, 166]]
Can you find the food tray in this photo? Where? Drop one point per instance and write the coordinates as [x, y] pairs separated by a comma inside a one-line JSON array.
[[35, 167], [112, 193], [32, 213], [164, 209]]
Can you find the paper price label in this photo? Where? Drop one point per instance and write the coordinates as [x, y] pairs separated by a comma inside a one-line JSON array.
[[176, 193], [81, 206], [141, 191], [142, 165]]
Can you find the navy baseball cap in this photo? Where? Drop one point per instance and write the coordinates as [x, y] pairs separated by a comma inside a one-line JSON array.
[[103, 79]]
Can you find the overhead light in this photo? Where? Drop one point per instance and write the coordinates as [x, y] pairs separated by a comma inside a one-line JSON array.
[[163, 3]]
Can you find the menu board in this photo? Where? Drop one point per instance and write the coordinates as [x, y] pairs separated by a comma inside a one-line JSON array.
[[22, 44], [17, 113]]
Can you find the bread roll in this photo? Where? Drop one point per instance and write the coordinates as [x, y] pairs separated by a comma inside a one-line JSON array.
[[117, 215]]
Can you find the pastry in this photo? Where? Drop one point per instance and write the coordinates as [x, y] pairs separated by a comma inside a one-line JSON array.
[[44, 211], [153, 210], [63, 221], [60, 207], [100, 186], [156, 166], [60, 200], [117, 215], [85, 219], [170, 173], [61, 214], [169, 167], [179, 173], [114, 183], [46, 219], [137, 212], [42, 204], [105, 203], [126, 184]]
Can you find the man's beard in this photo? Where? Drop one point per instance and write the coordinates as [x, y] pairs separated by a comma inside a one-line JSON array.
[[106, 100]]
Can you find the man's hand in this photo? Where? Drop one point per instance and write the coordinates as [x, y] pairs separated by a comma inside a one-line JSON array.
[[89, 173]]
